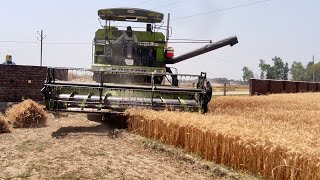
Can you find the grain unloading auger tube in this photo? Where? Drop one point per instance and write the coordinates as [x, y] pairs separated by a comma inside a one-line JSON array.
[[75, 90]]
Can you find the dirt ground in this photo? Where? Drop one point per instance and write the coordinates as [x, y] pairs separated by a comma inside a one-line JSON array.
[[71, 147]]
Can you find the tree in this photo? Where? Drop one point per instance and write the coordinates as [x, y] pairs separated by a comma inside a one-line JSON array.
[[247, 74], [309, 71], [264, 68], [279, 69], [271, 73], [298, 71]]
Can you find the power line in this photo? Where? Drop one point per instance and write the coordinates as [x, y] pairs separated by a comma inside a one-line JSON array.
[[67, 43], [143, 2], [188, 42], [20, 42], [53, 43], [223, 60], [168, 4], [225, 9]]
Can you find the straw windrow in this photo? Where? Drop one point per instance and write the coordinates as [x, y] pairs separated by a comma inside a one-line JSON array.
[[27, 114], [4, 125]]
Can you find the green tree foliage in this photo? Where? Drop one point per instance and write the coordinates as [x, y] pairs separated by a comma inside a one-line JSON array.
[[247, 74], [309, 71], [264, 68], [279, 69], [298, 71]]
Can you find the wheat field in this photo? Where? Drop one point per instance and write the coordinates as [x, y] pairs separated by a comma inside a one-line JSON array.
[[275, 136]]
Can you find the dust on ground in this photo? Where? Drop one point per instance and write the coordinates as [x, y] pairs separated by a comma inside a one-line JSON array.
[[71, 147]]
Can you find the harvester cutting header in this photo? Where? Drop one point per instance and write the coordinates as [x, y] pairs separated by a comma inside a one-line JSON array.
[[129, 69]]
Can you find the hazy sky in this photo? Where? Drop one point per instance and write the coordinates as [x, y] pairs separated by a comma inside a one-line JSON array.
[[286, 28]]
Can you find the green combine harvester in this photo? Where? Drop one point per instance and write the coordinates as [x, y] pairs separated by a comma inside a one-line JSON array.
[[130, 69]]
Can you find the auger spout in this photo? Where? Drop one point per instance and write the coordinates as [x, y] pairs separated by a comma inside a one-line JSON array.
[[210, 47]]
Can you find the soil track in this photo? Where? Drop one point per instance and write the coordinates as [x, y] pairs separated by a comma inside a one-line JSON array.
[[71, 147]]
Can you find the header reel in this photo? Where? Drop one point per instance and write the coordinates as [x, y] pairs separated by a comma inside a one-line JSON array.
[[78, 91]]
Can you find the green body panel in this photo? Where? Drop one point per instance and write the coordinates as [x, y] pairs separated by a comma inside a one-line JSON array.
[[99, 60], [157, 38], [142, 36], [128, 68], [160, 54]]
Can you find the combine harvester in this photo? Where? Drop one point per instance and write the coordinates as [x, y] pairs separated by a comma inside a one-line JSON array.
[[131, 74]]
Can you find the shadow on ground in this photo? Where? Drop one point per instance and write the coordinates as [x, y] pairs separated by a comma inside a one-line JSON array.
[[110, 126]]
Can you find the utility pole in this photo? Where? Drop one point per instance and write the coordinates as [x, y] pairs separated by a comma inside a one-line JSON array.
[[313, 78], [168, 30], [41, 38]]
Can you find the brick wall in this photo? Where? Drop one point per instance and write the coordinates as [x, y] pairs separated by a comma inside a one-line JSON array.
[[261, 86], [17, 82]]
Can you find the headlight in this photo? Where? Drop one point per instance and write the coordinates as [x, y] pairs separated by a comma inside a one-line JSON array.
[[159, 71]]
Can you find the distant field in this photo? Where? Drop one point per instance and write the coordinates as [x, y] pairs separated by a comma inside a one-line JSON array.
[[231, 93], [274, 136], [231, 90], [218, 88]]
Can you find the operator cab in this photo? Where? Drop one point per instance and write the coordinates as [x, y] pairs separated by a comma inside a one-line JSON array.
[[147, 51]]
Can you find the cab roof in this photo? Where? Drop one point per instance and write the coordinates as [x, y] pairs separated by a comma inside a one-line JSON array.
[[130, 14]]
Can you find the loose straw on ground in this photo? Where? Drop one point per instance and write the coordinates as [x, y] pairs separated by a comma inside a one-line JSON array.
[[4, 125], [27, 114]]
